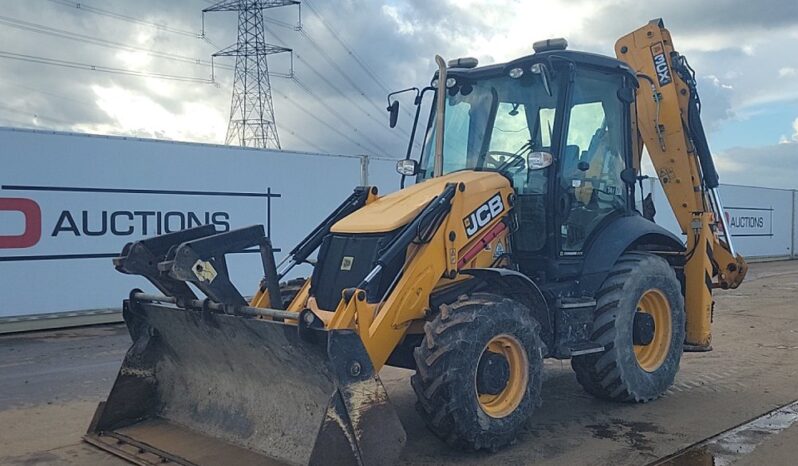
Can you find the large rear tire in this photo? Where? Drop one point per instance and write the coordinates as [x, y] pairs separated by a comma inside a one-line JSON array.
[[478, 372], [639, 320]]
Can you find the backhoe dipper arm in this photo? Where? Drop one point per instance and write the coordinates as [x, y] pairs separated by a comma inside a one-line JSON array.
[[668, 121]]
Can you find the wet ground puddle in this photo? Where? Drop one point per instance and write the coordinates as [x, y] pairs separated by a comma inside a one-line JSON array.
[[727, 447]]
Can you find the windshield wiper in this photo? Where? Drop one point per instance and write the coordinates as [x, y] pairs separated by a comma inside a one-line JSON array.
[[517, 158]]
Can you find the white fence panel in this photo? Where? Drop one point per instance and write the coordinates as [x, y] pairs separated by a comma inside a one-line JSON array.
[[761, 220], [794, 223], [68, 203]]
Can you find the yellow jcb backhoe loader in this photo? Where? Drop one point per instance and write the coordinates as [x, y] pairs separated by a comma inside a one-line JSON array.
[[520, 240]]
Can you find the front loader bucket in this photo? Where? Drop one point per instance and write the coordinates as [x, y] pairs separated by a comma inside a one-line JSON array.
[[199, 387]]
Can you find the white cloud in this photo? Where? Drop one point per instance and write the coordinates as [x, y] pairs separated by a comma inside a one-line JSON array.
[[511, 27], [405, 26], [140, 114], [717, 82], [732, 44], [784, 139]]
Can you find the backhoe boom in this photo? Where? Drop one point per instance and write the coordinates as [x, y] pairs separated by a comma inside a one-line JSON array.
[[669, 125]]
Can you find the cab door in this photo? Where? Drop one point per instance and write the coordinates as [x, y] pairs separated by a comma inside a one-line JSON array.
[[595, 152], [517, 124]]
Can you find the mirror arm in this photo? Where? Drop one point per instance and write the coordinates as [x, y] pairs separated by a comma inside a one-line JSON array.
[[418, 93], [417, 101], [412, 138]]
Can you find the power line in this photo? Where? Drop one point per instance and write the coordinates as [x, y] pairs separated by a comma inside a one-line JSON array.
[[102, 69], [334, 112], [335, 88], [330, 61], [58, 96], [338, 68], [166, 55], [130, 19], [252, 120], [319, 120], [42, 29], [354, 103], [352, 54], [277, 22], [343, 73], [34, 115], [302, 139], [51, 94]]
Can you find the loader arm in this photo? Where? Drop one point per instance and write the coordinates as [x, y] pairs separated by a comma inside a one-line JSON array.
[[668, 124]]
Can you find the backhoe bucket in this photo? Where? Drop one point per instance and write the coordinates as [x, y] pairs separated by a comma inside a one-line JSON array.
[[199, 387]]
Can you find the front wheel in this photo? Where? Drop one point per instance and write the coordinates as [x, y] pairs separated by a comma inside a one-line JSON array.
[[478, 372], [639, 320]]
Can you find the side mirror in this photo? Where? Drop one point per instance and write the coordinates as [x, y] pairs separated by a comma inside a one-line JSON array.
[[629, 176], [393, 111], [538, 160], [408, 167]]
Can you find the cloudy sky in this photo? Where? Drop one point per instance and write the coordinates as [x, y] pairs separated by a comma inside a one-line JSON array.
[[744, 53]]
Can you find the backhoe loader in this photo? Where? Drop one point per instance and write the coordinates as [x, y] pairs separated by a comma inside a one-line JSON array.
[[526, 235]]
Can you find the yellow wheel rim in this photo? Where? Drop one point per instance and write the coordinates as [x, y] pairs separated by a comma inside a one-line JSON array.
[[505, 402], [651, 356]]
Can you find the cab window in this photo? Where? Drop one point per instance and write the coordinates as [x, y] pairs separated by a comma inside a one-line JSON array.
[[593, 159]]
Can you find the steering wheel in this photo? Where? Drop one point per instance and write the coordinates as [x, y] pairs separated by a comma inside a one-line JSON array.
[[492, 158]]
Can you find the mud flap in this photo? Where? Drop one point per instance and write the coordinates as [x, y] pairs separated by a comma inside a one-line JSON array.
[[208, 388]]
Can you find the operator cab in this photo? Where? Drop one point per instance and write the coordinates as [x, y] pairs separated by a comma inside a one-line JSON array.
[[557, 125]]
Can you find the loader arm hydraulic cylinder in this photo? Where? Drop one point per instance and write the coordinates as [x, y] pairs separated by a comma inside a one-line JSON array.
[[313, 240]]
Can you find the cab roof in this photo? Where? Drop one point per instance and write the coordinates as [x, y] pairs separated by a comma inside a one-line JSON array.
[[592, 60]]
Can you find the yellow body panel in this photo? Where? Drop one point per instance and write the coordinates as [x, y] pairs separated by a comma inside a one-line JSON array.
[[382, 326], [431, 265], [396, 209]]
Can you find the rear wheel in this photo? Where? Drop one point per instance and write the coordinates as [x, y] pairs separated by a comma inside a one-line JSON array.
[[478, 372], [640, 322]]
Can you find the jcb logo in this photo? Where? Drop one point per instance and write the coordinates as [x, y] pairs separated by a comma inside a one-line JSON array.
[[661, 64], [483, 215], [33, 223]]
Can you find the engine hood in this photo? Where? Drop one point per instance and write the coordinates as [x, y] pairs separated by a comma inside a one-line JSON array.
[[391, 212]]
